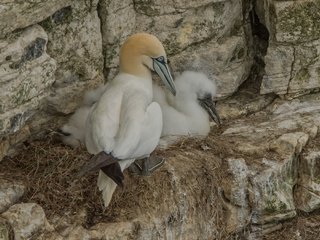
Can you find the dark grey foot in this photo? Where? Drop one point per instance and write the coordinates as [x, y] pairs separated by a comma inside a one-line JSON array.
[[146, 166]]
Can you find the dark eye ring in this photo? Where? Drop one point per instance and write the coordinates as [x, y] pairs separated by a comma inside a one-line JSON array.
[[160, 59]]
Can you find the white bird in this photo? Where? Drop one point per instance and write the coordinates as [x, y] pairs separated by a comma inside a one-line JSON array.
[[189, 111], [125, 124], [73, 132]]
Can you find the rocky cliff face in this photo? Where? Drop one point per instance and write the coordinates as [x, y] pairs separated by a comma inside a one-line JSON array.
[[265, 164]]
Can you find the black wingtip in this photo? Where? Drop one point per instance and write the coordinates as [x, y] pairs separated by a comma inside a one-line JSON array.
[[114, 172], [98, 161]]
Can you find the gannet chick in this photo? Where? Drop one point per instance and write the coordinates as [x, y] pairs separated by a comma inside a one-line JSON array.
[[73, 132], [125, 124], [189, 111]]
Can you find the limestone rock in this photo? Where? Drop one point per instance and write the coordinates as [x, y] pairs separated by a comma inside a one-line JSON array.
[[227, 62], [177, 32], [27, 219], [21, 14], [305, 68], [297, 21], [292, 59], [26, 73], [308, 190], [10, 193], [272, 155], [235, 187], [6, 232], [78, 54], [279, 60]]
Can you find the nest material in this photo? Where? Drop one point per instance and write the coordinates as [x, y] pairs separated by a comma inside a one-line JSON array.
[[49, 171]]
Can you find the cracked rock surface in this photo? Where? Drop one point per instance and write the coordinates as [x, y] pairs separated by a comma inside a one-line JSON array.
[[257, 174]]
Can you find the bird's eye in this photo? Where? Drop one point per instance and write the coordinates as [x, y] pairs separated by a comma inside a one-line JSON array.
[[160, 59], [205, 97]]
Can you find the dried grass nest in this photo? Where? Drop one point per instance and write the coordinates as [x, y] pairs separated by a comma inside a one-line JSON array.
[[48, 169]]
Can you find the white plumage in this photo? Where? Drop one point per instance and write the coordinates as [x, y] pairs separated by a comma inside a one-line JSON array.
[[131, 131], [182, 114], [124, 123]]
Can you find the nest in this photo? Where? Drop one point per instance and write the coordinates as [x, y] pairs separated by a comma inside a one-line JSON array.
[[49, 171]]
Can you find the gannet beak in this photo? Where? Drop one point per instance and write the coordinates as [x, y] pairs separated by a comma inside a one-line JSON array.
[[208, 105], [161, 68]]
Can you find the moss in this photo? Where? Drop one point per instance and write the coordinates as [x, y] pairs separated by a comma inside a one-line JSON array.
[[318, 72], [274, 205], [61, 16], [47, 24], [147, 7], [271, 206], [303, 75], [1, 125], [22, 94], [282, 206], [302, 19]]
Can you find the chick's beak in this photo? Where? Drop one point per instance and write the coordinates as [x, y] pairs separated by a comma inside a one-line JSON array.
[[161, 68], [208, 105]]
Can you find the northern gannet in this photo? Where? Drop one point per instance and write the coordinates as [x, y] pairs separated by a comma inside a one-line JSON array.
[[125, 123]]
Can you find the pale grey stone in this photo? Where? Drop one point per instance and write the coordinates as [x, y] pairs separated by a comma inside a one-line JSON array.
[[10, 193], [26, 220], [226, 62], [21, 14], [26, 70], [279, 60]]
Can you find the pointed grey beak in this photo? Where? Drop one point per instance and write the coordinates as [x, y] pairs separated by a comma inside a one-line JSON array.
[[208, 105], [161, 68]]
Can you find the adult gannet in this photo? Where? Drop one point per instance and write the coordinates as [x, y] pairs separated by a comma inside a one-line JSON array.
[[125, 123]]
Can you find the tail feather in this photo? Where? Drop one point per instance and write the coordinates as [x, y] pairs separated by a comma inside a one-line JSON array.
[[107, 186]]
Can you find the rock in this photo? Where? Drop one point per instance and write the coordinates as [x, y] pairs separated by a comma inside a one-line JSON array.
[[292, 59], [27, 220], [26, 73], [178, 31], [10, 193], [78, 54], [307, 193], [26, 13], [272, 144], [279, 60], [297, 21], [216, 60], [6, 232], [305, 68], [245, 101], [65, 100], [235, 187]]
